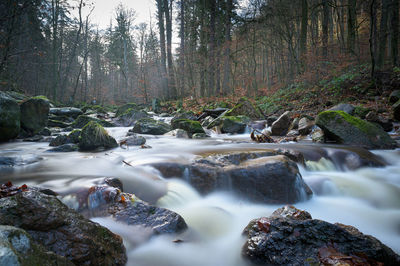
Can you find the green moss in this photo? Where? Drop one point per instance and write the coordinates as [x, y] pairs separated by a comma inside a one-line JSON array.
[[40, 97], [364, 126], [188, 125], [122, 109]]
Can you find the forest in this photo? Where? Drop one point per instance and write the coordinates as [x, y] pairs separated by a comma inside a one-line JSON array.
[[222, 48]]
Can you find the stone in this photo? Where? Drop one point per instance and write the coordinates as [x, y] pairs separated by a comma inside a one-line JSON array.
[[57, 123], [178, 133], [190, 126], [156, 105], [394, 96], [59, 140], [34, 114], [129, 117], [66, 111], [290, 237], [122, 109], [184, 115], [22, 160], [305, 126], [377, 119], [10, 116], [281, 126], [343, 128], [70, 147], [271, 120], [200, 136], [133, 140], [295, 124], [150, 126], [94, 136], [234, 124], [18, 248], [396, 111], [62, 230], [82, 121], [317, 134], [345, 107], [246, 108]]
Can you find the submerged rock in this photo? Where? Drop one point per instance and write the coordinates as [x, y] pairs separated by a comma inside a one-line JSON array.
[[291, 237], [94, 136], [10, 116], [34, 114], [62, 230], [346, 129], [18, 248], [150, 126]]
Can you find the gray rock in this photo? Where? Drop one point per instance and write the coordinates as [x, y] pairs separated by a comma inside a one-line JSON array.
[[10, 116], [178, 133], [150, 126], [133, 140], [396, 111], [66, 111], [375, 118], [70, 147], [200, 136], [305, 126], [281, 126], [345, 107], [394, 96], [317, 135], [34, 114], [130, 117]]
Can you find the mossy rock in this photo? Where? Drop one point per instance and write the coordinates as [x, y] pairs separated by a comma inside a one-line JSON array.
[[82, 120], [234, 124], [57, 123], [10, 115], [151, 126], [122, 109], [245, 107], [74, 135], [130, 116], [94, 136], [346, 129], [34, 114], [189, 126]]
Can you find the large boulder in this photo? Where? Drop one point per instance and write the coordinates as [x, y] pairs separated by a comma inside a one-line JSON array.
[[343, 128], [230, 124], [245, 107], [281, 126], [66, 111], [94, 136], [82, 121], [189, 126], [60, 229], [150, 126], [10, 115], [129, 117], [396, 110], [291, 237], [17, 248], [34, 114]]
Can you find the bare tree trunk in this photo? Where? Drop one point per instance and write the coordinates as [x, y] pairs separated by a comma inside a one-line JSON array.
[[372, 36], [351, 25], [383, 33], [304, 27], [227, 51], [325, 29], [182, 50], [395, 32], [211, 52], [160, 11], [171, 75]]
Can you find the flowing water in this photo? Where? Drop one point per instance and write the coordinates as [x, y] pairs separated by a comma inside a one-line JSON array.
[[367, 198]]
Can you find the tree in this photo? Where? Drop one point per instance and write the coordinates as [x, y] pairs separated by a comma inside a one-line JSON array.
[[383, 33], [351, 25], [395, 32], [160, 13]]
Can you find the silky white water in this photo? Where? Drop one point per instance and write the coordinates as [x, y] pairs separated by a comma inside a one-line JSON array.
[[367, 198]]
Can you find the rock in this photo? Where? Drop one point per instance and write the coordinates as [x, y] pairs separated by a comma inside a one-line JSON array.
[[281, 126], [122, 109], [184, 115], [246, 108], [66, 111], [156, 105], [150, 126], [234, 124], [295, 124], [189, 126], [57, 123], [10, 116], [62, 230], [45, 132], [133, 140], [346, 129], [394, 96], [70, 147], [94, 136], [59, 140], [375, 118], [345, 107], [317, 135], [34, 114], [17, 248], [22, 160], [74, 136], [396, 111], [200, 136], [207, 121], [305, 126], [289, 237], [271, 120], [259, 125], [129, 117], [214, 113], [179, 133], [82, 120]]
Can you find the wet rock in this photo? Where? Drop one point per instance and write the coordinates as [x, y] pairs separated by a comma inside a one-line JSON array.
[[57, 123], [259, 125], [22, 160], [207, 121], [271, 120], [214, 113], [45, 132], [10, 116], [200, 136], [286, 238], [34, 114], [281, 126], [345, 107], [94, 136], [295, 124], [17, 248], [317, 135], [133, 140], [234, 124], [346, 129], [394, 96], [70, 147], [396, 111], [62, 230], [184, 115], [122, 109], [291, 212], [60, 140], [305, 126], [246, 108], [74, 136], [130, 116], [354, 158], [82, 121], [190, 126], [179, 133], [156, 105], [150, 126], [66, 111], [375, 118]]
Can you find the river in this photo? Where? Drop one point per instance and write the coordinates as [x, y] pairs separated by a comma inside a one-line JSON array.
[[367, 198]]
